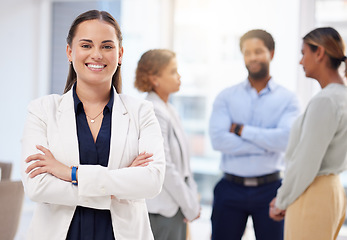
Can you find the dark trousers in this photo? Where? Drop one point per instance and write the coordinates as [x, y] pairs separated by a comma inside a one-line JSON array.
[[232, 205]]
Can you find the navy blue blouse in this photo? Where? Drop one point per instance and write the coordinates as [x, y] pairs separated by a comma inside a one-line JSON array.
[[88, 223]]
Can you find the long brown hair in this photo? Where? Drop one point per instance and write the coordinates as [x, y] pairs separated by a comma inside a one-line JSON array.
[[331, 40], [91, 15]]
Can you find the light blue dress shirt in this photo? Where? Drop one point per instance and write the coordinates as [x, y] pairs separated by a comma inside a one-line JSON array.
[[267, 117]]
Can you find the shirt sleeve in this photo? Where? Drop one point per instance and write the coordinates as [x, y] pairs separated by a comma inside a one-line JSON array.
[[221, 137], [274, 139], [314, 135]]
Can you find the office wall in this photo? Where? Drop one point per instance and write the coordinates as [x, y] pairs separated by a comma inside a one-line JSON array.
[[20, 72]]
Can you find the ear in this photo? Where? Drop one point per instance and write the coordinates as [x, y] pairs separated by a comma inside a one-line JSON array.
[[69, 52], [120, 55], [320, 53], [272, 53], [154, 80]]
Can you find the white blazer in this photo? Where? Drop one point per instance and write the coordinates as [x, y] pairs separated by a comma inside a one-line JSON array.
[[179, 189], [51, 123]]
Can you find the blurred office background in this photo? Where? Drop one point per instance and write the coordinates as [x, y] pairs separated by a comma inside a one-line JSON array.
[[204, 34]]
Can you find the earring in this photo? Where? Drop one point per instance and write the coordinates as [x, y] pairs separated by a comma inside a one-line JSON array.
[[119, 64]]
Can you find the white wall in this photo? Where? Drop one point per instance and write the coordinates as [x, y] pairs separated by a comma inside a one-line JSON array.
[[21, 71]]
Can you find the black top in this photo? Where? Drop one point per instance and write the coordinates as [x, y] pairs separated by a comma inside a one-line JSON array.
[[89, 223]]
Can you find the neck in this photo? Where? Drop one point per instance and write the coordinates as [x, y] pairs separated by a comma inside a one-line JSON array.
[[259, 84], [163, 96], [329, 76], [91, 95]]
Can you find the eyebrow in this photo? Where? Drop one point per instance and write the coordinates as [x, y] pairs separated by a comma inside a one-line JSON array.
[[88, 40]]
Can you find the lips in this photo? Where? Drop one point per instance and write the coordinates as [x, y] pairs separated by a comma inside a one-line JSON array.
[[96, 67]]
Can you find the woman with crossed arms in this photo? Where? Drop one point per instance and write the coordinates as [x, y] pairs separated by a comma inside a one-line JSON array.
[[78, 149]]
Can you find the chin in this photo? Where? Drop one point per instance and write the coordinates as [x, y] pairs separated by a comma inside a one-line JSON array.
[[307, 75], [176, 90]]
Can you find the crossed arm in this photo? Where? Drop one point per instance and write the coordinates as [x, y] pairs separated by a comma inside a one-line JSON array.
[[238, 138], [45, 162], [47, 175]]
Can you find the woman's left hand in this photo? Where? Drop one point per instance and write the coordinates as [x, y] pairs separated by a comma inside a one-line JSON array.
[[46, 163], [276, 213], [142, 160]]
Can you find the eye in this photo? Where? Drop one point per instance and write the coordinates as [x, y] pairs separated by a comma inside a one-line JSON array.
[[107, 47], [85, 46]]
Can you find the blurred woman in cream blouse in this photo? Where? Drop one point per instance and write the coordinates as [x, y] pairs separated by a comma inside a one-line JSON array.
[[311, 197]]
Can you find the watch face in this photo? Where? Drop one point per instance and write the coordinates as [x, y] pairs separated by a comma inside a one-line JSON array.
[[238, 129]]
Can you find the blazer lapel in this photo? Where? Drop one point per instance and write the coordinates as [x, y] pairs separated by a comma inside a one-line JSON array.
[[179, 132], [66, 122], [119, 132], [169, 110]]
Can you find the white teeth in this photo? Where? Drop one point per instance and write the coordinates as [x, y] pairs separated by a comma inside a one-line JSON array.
[[96, 66]]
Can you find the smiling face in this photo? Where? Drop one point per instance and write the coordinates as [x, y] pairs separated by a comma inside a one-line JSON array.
[[95, 52], [257, 58]]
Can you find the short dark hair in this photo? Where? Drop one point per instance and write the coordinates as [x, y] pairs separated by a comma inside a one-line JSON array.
[[262, 35]]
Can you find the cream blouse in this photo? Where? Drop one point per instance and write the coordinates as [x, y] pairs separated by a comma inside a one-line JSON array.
[[317, 144]]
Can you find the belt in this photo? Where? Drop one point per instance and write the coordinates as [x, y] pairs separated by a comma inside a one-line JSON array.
[[253, 181]]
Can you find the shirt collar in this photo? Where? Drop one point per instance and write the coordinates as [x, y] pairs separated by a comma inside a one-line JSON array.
[[109, 105], [77, 101], [271, 85]]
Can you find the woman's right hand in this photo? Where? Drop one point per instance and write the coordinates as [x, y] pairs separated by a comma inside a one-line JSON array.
[[45, 162], [142, 160]]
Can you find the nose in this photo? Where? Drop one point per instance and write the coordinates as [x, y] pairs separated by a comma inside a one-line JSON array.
[[96, 54], [252, 56]]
